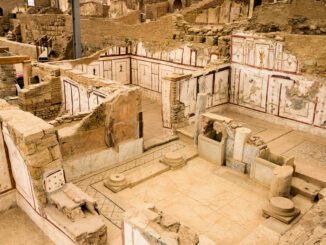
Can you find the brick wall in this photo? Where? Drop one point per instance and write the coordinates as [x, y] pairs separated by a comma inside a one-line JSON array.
[[38, 146], [59, 27], [43, 99], [7, 81]]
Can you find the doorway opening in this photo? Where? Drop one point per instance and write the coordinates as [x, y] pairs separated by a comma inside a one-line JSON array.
[[177, 5]]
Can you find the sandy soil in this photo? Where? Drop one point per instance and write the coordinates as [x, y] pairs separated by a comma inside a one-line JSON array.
[[17, 228]]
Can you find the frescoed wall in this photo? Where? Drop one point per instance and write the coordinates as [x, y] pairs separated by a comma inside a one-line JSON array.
[[19, 170], [262, 76], [5, 180], [78, 99], [265, 78], [214, 83]]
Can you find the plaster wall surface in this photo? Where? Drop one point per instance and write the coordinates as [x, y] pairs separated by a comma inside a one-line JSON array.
[[266, 78], [5, 179], [19, 170]]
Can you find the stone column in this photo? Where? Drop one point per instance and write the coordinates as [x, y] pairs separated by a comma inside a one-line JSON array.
[[241, 136], [200, 109], [27, 72], [281, 181], [172, 108]]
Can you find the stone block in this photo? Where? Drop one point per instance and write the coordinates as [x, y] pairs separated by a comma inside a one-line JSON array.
[[33, 135], [189, 38], [281, 208], [116, 182], [199, 39], [202, 17], [55, 152], [211, 150], [170, 223], [47, 141], [236, 165], [130, 149], [187, 236], [212, 15], [211, 40], [39, 159], [322, 193], [173, 159], [28, 148]]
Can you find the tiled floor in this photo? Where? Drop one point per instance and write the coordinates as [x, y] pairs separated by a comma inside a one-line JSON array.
[[110, 209], [212, 200]]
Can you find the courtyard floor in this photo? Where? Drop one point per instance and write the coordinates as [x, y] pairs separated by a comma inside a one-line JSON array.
[[17, 228]]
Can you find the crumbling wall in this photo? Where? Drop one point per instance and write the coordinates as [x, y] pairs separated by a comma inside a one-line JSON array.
[[7, 80], [148, 225], [111, 123], [64, 5], [43, 99], [91, 8], [308, 49], [55, 26], [19, 48], [99, 33], [31, 143], [8, 6], [300, 17], [42, 3], [117, 9], [228, 11], [156, 10]]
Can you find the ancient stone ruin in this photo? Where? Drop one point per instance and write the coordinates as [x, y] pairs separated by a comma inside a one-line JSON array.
[[175, 122]]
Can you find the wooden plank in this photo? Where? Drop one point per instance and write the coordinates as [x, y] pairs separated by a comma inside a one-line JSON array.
[[9, 60]]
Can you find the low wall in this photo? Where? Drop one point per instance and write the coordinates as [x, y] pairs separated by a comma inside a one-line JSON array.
[[111, 133], [43, 99], [33, 150], [19, 48]]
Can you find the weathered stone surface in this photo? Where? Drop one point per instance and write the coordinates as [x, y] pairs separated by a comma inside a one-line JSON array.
[[187, 236], [310, 229]]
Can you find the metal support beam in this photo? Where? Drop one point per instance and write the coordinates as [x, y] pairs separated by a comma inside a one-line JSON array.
[[76, 28]]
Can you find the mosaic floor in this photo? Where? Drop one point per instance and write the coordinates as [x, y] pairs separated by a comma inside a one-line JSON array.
[[309, 151], [108, 208]]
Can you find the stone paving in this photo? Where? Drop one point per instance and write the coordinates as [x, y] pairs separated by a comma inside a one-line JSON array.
[[108, 208]]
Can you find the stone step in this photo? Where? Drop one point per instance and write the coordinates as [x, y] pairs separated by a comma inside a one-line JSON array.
[[157, 141], [146, 172], [310, 175], [188, 153], [304, 188], [186, 135]]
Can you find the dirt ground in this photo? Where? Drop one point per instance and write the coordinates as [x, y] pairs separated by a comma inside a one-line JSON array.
[[17, 228]]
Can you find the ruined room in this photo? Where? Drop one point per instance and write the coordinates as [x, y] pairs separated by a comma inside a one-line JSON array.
[[171, 122]]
